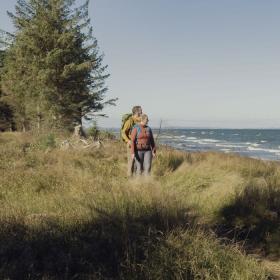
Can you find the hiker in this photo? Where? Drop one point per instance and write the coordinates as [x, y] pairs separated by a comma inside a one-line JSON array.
[[143, 147], [129, 120]]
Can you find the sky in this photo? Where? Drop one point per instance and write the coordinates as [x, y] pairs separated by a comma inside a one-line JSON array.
[[189, 63]]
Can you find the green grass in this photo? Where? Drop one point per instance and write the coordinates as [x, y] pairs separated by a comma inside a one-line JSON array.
[[73, 214]]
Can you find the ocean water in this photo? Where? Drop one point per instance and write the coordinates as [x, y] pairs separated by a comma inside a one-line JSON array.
[[255, 143]]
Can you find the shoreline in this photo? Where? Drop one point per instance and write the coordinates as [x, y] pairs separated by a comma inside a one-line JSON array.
[[253, 143], [236, 154], [259, 147]]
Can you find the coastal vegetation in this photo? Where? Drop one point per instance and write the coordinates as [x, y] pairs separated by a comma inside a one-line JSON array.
[[72, 213], [67, 209]]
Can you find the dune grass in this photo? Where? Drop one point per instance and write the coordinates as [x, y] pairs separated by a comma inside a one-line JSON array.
[[73, 214]]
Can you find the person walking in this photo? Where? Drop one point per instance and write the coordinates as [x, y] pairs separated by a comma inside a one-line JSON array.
[[128, 123], [143, 147]]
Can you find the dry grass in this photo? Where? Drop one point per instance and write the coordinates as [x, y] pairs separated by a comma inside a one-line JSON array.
[[74, 215]]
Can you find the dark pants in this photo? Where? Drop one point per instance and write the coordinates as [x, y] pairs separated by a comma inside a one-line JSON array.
[[143, 162]]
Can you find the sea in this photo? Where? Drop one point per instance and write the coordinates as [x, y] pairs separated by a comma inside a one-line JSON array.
[[255, 143]]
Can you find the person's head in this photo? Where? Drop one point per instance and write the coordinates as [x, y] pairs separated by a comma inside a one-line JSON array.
[[144, 119], [137, 111]]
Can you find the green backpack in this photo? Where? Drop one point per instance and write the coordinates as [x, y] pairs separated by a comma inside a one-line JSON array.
[[125, 118]]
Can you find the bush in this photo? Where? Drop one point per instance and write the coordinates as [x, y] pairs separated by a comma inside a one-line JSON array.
[[47, 141], [93, 132], [98, 134]]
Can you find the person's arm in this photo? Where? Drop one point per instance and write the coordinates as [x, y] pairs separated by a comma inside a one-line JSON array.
[[153, 145], [125, 131], [133, 140]]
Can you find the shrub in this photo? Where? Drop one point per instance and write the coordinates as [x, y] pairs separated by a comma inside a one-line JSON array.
[[47, 141], [93, 132]]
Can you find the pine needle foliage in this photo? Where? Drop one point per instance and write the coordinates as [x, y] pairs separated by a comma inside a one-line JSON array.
[[53, 72], [6, 114]]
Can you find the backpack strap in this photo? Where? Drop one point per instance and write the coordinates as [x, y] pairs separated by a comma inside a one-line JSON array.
[[147, 128], [138, 127]]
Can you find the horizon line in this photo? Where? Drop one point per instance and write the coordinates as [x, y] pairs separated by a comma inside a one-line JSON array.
[[199, 128]]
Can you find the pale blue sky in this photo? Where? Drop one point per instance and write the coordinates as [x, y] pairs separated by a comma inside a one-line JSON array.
[[211, 63]]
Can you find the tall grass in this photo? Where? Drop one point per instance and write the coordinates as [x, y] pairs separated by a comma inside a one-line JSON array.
[[254, 214], [73, 214]]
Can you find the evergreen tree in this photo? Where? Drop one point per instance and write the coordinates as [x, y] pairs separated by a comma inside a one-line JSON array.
[[6, 113], [53, 71]]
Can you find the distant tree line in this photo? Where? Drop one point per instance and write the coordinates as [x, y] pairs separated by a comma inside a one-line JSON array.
[[51, 74]]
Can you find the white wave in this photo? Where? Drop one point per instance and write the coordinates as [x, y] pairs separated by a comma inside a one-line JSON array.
[[211, 140], [201, 141], [236, 134], [263, 150], [254, 149], [273, 151], [255, 145], [203, 132], [229, 146], [226, 150], [263, 141]]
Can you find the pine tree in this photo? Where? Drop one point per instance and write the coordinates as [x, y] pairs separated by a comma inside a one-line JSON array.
[[6, 113], [53, 71], [2, 56]]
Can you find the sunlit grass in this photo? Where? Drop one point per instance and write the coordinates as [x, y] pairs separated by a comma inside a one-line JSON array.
[[73, 213]]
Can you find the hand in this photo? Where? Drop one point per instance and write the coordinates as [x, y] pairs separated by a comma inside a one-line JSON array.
[[133, 156], [154, 154], [129, 143]]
